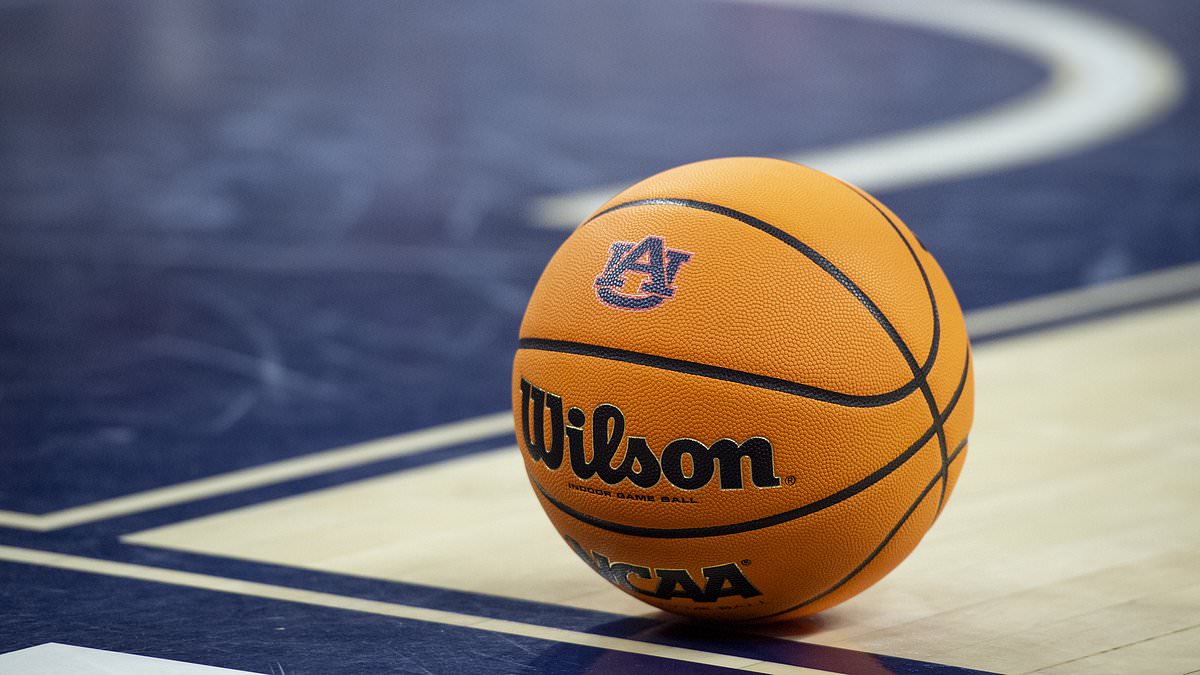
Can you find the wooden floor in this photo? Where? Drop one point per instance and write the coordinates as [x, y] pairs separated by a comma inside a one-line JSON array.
[[1071, 544]]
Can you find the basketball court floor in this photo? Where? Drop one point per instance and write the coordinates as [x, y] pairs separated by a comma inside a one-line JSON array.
[[262, 267]]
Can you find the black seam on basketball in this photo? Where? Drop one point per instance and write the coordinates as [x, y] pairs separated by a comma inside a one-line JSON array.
[[926, 391], [776, 519], [813, 255], [940, 476], [919, 371], [719, 373]]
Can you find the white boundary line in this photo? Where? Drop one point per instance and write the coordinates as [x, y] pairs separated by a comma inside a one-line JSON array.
[[981, 324], [1083, 302], [56, 658], [463, 431], [1105, 79], [318, 599]]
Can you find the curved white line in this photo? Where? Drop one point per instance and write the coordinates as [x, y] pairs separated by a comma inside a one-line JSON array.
[[1106, 79]]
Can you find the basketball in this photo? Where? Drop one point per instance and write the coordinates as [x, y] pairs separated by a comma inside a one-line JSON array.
[[742, 390]]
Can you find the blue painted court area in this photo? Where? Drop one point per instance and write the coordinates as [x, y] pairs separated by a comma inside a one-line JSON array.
[[328, 246], [258, 636], [263, 636], [233, 234]]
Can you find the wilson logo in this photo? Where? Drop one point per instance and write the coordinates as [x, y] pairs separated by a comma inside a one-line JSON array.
[[637, 463], [649, 259], [720, 581]]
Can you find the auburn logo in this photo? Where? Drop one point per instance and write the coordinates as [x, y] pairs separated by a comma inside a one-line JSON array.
[[650, 260], [720, 581]]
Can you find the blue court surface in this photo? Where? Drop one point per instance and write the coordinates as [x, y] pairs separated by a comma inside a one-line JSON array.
[[255, 253]]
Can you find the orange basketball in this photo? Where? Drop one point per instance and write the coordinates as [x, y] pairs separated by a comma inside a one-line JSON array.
[[742, 390]]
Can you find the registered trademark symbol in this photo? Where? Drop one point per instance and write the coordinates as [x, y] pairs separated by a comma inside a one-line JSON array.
[[746, 561], [790, 480]]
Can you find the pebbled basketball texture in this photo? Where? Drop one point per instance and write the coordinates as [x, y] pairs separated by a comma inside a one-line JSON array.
[[743, 390]]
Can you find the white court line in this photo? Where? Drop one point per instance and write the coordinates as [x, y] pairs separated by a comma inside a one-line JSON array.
[[1105, 79], [982, 323], [316, 598], [53, 658], [1083, 302], [464, 431]]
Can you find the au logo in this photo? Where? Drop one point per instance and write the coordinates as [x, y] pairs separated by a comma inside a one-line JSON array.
[[651, 261]]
